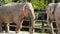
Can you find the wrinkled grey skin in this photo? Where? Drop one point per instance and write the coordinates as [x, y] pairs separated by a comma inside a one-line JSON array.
[[53, 16], [15, 12]]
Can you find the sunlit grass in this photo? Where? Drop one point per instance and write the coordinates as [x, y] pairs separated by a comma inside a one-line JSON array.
[[39, 25]]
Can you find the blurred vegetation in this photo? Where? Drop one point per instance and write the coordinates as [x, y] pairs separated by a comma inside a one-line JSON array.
[[38, 4]]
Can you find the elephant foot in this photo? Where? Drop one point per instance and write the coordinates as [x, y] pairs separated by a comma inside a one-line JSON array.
[[1, 31], [7, 31], [17, 31]]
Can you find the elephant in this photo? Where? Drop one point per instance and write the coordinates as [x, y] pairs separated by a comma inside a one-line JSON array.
[[15, 12], [53, 14]]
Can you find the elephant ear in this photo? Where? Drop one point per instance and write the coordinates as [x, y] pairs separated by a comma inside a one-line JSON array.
[[54, 8], [51, 8]]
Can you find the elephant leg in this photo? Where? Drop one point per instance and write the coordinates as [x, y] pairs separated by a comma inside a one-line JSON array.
[[58, 26], [49, 22], [1, 28], [31, 27], [51, 28], [19, 26], [31, 24], [6, 27]]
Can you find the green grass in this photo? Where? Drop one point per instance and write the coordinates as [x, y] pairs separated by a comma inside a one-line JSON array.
[[39, 24]]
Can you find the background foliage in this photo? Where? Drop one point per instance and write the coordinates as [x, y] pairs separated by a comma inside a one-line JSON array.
[[38, 4]]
